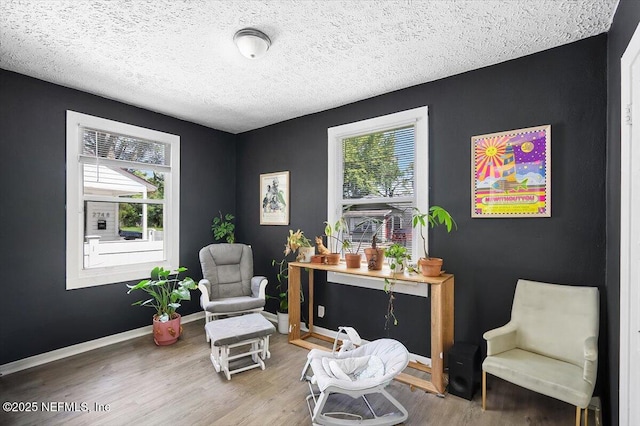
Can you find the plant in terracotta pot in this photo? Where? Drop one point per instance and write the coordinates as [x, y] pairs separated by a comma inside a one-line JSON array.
[[166, 291], [397, 256], [336, 241], [431, 266], [374, 255], [223, 228], [354, 257]]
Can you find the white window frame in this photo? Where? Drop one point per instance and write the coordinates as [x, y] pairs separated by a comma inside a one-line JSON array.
[[77, 276], [419, 117]]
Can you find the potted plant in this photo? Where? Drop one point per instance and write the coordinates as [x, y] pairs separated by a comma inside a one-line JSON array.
[[431, 266], [374, 255], [335, 240], [298, 242], [223, 228], [353, 258], [398, 256], [283, 296], [166, 291]]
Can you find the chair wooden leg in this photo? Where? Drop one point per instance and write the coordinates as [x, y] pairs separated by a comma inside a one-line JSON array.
[[578, 412], [484, 390], [586, 416]]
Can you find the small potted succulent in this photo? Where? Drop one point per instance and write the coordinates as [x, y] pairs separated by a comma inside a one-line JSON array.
[[374, 255], [431, 266], [166, 291]]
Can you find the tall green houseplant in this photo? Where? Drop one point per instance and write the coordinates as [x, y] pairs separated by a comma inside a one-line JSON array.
[[436, 216], [431, 266]]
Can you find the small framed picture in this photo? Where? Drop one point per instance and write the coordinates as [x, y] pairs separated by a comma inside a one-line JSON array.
[[274, 198], [511, 173]]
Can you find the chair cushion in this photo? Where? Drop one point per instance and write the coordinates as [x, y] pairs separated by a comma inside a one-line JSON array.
[[229, 268], [548, 376], [238, 329], [234, 304], [555, 320]]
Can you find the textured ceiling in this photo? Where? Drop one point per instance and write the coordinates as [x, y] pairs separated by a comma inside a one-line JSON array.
[[178, 57]]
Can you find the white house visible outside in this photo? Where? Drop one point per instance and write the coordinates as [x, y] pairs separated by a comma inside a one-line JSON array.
[[104, 243]]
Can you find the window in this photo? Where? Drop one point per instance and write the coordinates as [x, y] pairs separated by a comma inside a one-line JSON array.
[[378, 172], [122, 200]]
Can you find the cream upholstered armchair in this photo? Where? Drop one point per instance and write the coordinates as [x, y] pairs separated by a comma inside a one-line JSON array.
[[228, 286], [550, 345]]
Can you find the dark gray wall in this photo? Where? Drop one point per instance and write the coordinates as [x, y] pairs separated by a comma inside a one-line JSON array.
[[564, 87], [39, 314], [624, 24]]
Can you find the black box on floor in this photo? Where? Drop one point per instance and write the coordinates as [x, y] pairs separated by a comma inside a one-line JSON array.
[[464, 369]]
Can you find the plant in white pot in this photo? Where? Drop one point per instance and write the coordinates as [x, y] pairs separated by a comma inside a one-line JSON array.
[[166, 291], [431, 266], [296, 242], [283, 295]]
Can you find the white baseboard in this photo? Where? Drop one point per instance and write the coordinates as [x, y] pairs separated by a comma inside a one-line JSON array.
[[33, 361]]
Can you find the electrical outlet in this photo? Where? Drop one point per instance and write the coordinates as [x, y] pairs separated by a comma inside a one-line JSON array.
[[320, 311]]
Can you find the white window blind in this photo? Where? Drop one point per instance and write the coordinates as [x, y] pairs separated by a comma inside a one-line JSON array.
[[98, 146]]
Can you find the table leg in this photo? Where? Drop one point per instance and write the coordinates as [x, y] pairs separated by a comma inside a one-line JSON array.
[[294, 302]]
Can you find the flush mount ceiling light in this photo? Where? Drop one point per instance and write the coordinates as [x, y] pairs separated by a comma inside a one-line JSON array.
[[251, 42]]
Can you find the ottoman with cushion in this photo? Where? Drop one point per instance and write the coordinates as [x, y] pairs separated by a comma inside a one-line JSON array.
[[228, 333]]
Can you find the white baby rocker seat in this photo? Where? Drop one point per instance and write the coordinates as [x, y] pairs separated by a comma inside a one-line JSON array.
[[356, 372]]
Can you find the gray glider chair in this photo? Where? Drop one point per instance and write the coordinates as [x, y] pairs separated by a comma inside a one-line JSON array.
[[550, 346], [228, 286]]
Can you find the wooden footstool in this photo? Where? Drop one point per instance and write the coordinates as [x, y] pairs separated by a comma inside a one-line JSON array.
[[228, 333]]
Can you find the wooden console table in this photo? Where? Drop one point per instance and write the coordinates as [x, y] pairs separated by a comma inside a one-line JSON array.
[[441, 293]]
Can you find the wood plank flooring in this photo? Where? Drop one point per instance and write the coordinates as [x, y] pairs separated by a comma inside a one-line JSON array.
[[143, 384]]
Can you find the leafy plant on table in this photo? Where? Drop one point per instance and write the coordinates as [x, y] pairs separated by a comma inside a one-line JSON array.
[[397, 255], [436, 216], [335, 234]]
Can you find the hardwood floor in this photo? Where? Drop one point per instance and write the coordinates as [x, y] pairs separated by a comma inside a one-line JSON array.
[[136, 382]]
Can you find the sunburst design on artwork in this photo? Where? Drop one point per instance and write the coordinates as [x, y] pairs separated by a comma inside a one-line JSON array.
[[488, 156]]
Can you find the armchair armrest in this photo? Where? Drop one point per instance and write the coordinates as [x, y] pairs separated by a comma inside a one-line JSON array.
[[258, 287], [590, 368], [203, 286], [501, 339]]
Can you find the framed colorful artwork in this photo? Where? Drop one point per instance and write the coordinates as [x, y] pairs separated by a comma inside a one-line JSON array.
[[274, 198], [511, 173]]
